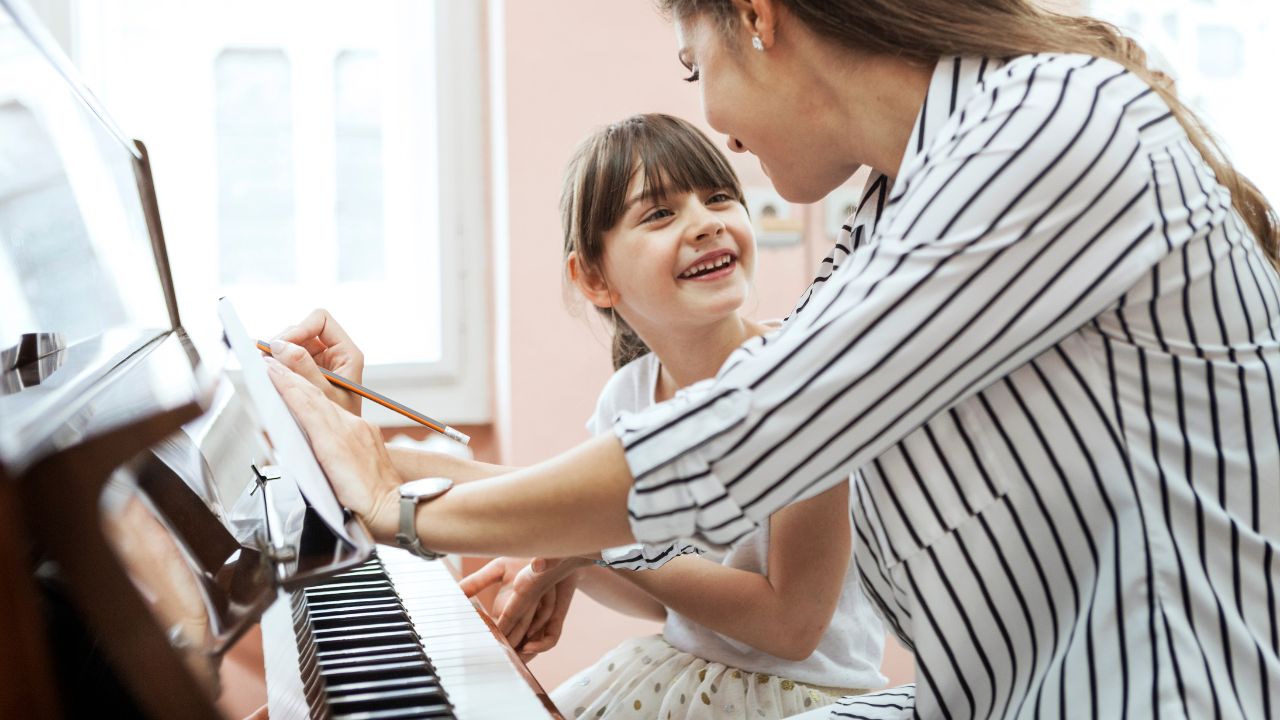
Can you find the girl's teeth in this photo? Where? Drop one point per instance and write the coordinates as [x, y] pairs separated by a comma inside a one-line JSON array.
[[721, 261]]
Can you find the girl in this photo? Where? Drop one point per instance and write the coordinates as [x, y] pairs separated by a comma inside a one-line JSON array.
[[657, 238]]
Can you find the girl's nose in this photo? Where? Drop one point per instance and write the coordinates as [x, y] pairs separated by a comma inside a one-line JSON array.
[[736, 145], [706, 226]]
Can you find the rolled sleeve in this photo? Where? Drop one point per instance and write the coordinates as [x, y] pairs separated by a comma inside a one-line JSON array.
[[972, 273], [676, 493], [640, 556], [896, 703]]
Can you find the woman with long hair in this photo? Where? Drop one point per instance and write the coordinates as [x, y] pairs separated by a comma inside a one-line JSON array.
[[1047, 339]]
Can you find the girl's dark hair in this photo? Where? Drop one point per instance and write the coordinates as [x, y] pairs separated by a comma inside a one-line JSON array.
[[926, 30], [671, 155]]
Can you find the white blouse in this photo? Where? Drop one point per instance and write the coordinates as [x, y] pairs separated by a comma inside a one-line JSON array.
[[1050, 346], [851, 648]]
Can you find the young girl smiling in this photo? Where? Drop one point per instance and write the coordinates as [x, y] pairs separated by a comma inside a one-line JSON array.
[[657, 238]]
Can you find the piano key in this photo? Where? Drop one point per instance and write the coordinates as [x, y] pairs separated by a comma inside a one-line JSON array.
[[423, 711], [340, 626], [473, 665]]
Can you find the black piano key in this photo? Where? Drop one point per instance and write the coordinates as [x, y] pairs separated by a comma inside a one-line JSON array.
[[409, 713], [359, 654], [357, 660], [381, 670], [384, 699], [338, 654], [333, 621], [389, 684]]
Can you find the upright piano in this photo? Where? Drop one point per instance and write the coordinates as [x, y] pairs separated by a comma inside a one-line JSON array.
[[146, 523]]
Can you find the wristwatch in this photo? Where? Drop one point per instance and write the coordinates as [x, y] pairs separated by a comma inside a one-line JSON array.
[[412, 493]]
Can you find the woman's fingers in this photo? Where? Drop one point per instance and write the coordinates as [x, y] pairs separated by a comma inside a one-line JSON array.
[[515, 634], [350, 451], [527, 593], [325, 339], [541, 564], [553, 569], [565, 591], [487, 576], [549, 634], [518, 609], [543, 613], [300, 361], [297, 359]]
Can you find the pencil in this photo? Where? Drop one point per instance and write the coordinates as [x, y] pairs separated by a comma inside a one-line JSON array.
[[385, 402]]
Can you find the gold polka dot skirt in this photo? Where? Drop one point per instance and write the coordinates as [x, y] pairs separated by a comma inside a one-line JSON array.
[[647, 678]]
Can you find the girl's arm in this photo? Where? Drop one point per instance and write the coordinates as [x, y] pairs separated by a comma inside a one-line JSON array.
[[783, 613], [610, 589]]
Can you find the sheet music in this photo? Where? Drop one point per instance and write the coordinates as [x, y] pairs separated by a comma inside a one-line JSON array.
[[293, 451]]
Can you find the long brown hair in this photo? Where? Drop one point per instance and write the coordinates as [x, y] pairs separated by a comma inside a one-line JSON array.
[[926, 30], [672, 156]]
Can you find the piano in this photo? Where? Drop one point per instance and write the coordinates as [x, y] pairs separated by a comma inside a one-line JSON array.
[[146, 521]]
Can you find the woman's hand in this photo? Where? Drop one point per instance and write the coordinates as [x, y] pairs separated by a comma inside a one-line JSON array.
[[350, 449], [501, 572], [530, 606], [329, 347], [547, 620]]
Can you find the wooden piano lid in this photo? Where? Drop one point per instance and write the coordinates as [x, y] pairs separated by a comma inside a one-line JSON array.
[[79, 429]]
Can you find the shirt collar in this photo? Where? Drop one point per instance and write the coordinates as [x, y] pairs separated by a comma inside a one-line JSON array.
[[955, 80]]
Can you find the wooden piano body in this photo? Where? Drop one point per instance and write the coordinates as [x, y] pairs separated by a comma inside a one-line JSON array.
[[145, 523]]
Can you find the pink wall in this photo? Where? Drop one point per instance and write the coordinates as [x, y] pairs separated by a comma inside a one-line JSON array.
[[571, 66]]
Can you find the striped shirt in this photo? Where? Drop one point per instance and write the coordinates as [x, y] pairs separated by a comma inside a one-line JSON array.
[[1049, 351]]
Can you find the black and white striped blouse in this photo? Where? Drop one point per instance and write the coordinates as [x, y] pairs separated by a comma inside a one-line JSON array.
[[1049, 350]]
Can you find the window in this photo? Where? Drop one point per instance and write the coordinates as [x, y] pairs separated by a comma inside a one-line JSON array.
[[299, 163], [1223, 56]]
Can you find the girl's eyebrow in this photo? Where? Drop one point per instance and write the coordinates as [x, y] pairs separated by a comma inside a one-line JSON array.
[[637, 199], [632, 203]]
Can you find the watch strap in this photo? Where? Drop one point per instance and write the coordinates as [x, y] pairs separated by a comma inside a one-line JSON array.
[[407, 536]]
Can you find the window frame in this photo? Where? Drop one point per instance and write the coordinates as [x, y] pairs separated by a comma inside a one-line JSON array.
[[456, 388]]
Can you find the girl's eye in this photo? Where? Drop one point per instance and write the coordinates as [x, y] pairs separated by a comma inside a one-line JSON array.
[[693, 77], [658, 214], [721, 197]]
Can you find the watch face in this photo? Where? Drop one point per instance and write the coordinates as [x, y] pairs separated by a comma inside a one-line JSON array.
[[425, 487]]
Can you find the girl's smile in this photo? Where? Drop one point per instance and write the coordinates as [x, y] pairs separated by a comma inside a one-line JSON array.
[[681, 262], [711, 266]]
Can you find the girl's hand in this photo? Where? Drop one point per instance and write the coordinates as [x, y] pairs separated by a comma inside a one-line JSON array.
[[329, 346], [349, 449]]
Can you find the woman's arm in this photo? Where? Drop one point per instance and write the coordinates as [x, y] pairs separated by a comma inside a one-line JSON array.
[[783, 613], [573, 504], [412, 464]]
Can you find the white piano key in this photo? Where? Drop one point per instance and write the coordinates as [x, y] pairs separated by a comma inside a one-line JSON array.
[[479, 672], [474, 668]]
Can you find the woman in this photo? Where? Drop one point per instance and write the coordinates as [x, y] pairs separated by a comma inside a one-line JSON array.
[[1048, 339]]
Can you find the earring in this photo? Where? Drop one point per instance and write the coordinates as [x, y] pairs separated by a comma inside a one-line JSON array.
[[757, 43]]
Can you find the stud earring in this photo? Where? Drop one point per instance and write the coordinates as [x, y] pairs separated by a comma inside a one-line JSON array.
[[757, 43]]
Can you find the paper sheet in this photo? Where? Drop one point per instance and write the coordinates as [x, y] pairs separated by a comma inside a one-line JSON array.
[[293, 452]]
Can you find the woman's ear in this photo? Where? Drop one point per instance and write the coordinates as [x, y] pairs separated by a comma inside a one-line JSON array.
[[591, 284], [759, 18]]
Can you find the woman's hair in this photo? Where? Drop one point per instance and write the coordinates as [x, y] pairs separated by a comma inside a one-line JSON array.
[[672, 156], [926, 30]]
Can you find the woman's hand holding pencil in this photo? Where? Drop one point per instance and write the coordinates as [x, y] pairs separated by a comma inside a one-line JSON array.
[[320, 335], [333, 352]]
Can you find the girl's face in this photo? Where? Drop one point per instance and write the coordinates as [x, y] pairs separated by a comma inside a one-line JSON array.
[[766, 107], [683, 260]]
